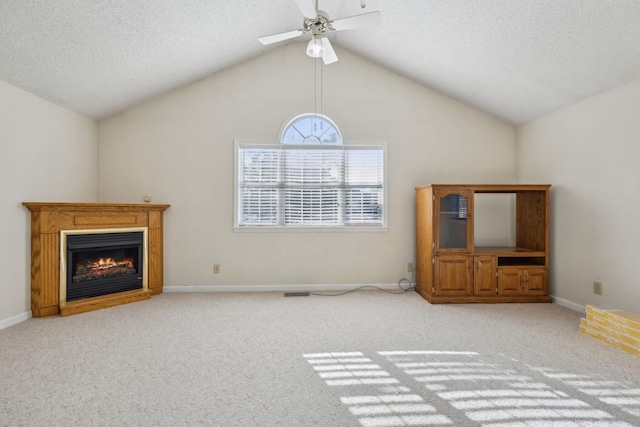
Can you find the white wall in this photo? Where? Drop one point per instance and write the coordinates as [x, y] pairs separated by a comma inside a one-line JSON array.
[[178, 149], [47, 154], [590, 153]]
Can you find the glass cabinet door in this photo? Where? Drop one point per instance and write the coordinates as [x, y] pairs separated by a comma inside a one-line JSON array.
[[453, 229]]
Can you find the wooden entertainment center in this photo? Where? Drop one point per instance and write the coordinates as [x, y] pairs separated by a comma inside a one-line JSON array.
[[451, 269]]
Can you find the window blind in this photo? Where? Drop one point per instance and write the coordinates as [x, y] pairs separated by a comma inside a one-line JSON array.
[[363, 186], [310, 186], [259, 186]]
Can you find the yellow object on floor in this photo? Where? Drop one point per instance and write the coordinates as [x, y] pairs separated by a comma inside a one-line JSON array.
[[615, 327]]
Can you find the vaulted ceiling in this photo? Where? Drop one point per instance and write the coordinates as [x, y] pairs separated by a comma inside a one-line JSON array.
[[514, 59]]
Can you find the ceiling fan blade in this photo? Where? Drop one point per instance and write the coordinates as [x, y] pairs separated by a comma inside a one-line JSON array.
[[308, 8], [274, 38], [365, 20], [328, 55]]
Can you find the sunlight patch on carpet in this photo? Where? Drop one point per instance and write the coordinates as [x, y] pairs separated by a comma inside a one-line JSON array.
[[435, 387]]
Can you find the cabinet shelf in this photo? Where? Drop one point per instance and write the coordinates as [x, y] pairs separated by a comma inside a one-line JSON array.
[[507, 251]]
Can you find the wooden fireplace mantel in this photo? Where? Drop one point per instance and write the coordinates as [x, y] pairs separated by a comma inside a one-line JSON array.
[[48, 219]]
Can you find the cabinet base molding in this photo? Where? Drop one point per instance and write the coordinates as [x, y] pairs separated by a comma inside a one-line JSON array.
[[434, 299]]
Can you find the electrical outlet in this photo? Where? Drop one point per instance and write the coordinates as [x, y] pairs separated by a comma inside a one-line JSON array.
[[597, 288], [216, 268], [409, 267]]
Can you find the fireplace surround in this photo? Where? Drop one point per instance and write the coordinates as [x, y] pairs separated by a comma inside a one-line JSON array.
[[51, 226]]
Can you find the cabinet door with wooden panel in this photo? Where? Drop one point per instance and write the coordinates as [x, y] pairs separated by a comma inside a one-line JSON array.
[[509, 281], [534, 280], [453, 275], [484, 276], [522, 280]]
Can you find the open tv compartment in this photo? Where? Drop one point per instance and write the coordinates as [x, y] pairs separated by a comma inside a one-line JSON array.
[[458, 264]]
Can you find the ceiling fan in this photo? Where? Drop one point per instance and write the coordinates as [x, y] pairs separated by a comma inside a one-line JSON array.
[[318, 23]]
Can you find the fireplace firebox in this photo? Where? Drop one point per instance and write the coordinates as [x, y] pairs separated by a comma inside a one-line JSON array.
[[103, 263]]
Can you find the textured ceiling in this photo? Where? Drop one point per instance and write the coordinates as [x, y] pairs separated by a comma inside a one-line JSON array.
[[514, 59]]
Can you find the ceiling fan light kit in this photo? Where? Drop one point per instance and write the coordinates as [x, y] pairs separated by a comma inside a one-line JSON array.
[[319, 24], [315, 48]]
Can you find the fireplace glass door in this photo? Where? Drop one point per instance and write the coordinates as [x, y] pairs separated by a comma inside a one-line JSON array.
[[104, 263]]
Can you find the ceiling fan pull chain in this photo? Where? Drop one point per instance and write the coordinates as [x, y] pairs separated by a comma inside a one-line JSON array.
[[321, 91], [363, 3]]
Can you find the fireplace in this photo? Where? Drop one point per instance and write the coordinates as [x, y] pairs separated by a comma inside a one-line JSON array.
[[102, 262], [53, 223]]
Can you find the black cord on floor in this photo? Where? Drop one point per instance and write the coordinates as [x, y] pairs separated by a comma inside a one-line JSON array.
[[403, 290]]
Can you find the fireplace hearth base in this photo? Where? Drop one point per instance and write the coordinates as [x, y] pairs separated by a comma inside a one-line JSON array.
[[48, 220], [104, 301]]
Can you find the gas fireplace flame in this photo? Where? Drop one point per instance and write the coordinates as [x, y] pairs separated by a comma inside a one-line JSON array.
[[103, 263], [104, 267]]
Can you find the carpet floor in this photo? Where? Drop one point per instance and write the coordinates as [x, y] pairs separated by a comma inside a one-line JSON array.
[[367, 358]]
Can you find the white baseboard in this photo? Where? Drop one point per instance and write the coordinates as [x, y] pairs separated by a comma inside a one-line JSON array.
[[15, 320], [280, 288], [569, 304]]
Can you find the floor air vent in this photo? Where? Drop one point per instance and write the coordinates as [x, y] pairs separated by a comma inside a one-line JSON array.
[[296, 294]]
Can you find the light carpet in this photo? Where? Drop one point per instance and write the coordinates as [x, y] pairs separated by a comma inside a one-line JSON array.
[[366, 358]]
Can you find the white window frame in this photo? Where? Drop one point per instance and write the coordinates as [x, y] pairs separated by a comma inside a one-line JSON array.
[[310, 228]]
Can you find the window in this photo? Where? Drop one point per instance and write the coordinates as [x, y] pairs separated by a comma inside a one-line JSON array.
[[311, 179]]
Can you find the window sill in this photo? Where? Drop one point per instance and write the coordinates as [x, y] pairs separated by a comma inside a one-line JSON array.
[[320, 229]]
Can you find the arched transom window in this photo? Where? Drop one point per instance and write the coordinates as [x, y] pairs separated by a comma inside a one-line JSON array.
[[311, 129]]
